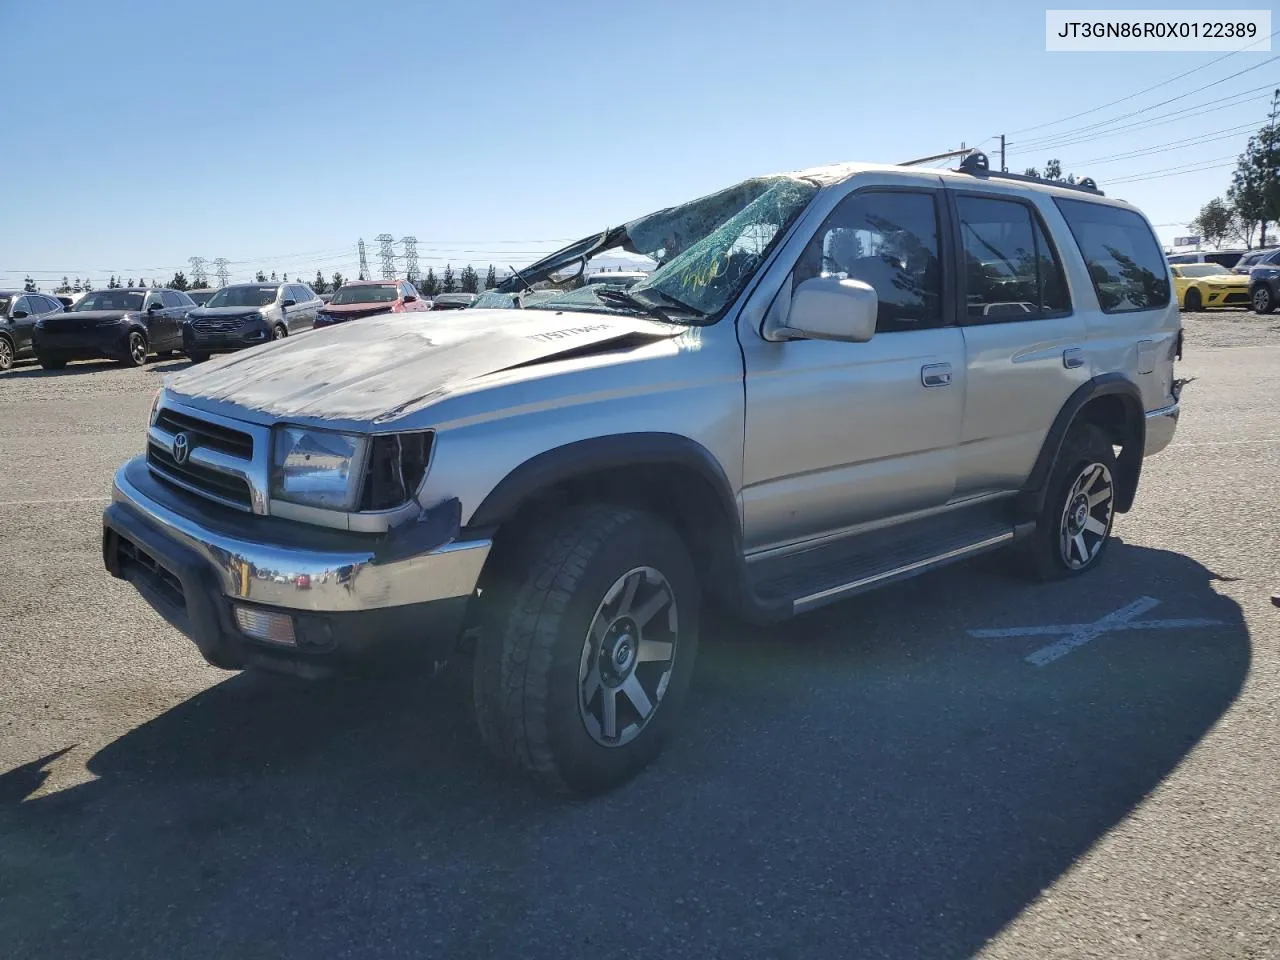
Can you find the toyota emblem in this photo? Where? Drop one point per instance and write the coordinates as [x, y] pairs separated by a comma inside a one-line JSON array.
[[181, 448]]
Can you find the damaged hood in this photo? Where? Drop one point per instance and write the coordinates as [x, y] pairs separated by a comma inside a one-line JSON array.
[[389, 366]]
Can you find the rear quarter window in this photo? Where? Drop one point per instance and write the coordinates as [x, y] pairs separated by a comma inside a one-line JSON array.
[[1126, 265]]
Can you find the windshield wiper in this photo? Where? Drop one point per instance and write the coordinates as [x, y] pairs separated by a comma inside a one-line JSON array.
[[629, 299]]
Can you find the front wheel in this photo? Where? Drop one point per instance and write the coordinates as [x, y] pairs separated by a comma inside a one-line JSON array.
[[1074, 526], [1263, 301], [195, 356], [135, 350], [1192, 301], [582, 665], [6, 354], [278, 332], [51, 363]]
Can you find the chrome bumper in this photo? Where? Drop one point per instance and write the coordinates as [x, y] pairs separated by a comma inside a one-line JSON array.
[[1160, 426], [295, 567]]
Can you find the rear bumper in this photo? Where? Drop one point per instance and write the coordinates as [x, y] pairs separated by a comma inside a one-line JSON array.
[[1161, 425], [347, 597]]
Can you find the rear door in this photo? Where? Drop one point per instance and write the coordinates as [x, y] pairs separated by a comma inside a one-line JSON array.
[[1024, 340], [20, 326]]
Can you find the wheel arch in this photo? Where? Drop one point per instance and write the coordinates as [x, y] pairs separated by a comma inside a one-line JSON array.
[[667, 474], [1113, 403]]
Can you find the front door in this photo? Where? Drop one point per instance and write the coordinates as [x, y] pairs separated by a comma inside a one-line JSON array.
[[840, 434]]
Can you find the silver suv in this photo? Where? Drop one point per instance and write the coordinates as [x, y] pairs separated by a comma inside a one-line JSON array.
[[834, 379]]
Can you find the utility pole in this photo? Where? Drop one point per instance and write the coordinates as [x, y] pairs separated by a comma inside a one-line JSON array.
[[220, 268], [411, 258], [388, 254], [364, 261], [1003, 168]]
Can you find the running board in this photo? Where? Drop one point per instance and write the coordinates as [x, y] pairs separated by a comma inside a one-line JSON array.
[[834, 574]]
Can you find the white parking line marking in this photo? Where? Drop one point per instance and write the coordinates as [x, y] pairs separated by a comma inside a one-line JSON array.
[[1075, 635], [1221, 443], [44, 503]]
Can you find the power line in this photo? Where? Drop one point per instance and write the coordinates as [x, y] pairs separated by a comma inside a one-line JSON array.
[[1227, 134], [1036, 142], [1195, 167], [1162, 83]]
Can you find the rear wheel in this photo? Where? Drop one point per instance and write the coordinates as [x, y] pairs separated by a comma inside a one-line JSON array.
[[1263, 301], [1074, 526], [6, 354], [587, 651], [278, 332], [1192, 301], [136, 349]]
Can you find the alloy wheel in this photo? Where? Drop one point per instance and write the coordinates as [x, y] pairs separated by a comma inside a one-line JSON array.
[[1262, 300], [6, 354], [137, 349], [628, 656], [1087, 516]]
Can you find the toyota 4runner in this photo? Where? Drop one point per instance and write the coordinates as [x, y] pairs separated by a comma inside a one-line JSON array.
[[834, 379]]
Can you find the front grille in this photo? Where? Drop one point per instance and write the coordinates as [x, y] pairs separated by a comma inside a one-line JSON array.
[[1236, 298], [217, 324], [206, 434], [133, 559], [227, 489]]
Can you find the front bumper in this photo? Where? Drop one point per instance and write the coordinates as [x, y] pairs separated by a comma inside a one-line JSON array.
[[106, 342], [200, 341], [348, 596], [1160, 427]]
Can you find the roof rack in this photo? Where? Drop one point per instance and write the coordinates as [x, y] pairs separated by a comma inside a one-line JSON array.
[[976, 164]]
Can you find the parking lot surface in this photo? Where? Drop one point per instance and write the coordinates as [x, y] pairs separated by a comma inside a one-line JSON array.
[[963, 764]]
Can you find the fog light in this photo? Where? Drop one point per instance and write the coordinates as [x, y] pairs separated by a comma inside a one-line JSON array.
[[264, 625]]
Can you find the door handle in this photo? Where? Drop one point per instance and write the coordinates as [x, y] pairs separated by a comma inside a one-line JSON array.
[[936, 375], [1073, 358]]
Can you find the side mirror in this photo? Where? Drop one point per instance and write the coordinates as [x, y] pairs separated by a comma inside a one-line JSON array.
[[410, 298], [289, 303], [19, 315], [155, 307], [827, 308]]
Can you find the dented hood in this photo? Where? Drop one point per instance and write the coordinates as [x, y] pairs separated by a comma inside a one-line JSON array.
[[385, 367]]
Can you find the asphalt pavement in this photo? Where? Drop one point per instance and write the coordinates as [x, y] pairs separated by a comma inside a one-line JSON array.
[[964, 764]]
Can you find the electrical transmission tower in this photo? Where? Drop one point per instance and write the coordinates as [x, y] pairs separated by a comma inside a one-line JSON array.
[[410, 257], [220, 269], [364, 261], [197, 272], [388, 255]]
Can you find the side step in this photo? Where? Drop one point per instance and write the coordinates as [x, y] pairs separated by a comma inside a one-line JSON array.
[[836, 572]]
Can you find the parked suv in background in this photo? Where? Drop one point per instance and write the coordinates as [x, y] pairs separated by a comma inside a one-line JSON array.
[[1257, 258], [1264, 287], [19, 312], [808, 398], [125, 324], [367, 298], [246, 314]]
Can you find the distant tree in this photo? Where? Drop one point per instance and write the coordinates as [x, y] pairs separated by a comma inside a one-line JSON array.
[[260, 278], [1254, 193], [77, 288], [285, 278], [131, 283], [491, 278], [273, 277], [337, 281], [447, 283], [1213, 222], [1031, 172], [63, 287], [29, 285], [429, 285], [320, 284], [88, 286], [179, 281], [112, 283], [469, 280]]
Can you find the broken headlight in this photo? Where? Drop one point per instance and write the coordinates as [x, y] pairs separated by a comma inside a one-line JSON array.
[[394, 470]]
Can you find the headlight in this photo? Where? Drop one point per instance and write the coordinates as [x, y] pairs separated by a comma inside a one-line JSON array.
[[155, 407], [253, 318], [318, 468]]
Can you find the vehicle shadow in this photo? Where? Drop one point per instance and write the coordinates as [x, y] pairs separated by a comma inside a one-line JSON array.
[[868, 780], [30, 369]]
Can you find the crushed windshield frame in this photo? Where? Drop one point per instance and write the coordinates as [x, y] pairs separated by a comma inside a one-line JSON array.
[[671, 223]]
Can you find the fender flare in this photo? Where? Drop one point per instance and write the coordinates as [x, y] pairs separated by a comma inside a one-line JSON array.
[[597, 454], [1130, 460]]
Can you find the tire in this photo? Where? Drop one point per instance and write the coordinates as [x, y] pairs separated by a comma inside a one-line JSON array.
[[278, 332], [52, 363], [136, 349], [555, 645], [1067, 542], [1192, 302], [6, 354], [197, 357], [1263, 300]]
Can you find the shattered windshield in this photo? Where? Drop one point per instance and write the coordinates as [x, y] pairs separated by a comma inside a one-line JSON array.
[[706, 252]]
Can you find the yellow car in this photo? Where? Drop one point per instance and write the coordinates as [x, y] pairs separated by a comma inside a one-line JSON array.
[[1200, 286]]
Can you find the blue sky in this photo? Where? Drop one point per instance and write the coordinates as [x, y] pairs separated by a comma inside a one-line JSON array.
[[275, 134]]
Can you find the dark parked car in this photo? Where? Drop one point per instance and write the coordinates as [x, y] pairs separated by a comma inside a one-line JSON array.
[[1257, 258], [127, 325], [19, 312], [452, 301], [201, 297], [366, 298], [1264, 288], [246, 314]]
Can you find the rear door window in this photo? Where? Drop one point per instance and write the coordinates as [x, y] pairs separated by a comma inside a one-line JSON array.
[[1011, 270], [1128, 270]]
